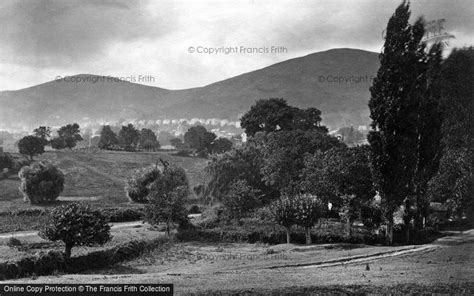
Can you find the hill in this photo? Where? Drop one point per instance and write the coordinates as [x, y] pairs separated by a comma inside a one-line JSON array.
[[306, 81]]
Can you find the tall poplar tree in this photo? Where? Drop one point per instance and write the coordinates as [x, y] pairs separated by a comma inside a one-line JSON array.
[[403, 105]]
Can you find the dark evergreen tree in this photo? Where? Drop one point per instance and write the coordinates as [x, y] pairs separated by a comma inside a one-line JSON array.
[[107, 138], [129, 137]]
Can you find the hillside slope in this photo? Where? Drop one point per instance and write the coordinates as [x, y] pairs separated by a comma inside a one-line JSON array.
[[304, 82]]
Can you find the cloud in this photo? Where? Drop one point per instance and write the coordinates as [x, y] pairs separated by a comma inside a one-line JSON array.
[[53, 32], [122, 38]]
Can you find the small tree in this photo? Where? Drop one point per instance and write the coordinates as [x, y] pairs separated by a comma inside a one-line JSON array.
[[283, 212], [197, 137], [44, 133], [148, 140], [41, 182], [167, 198], [107, 138], [76, 224], [31, 146], [70, 134], [129, 137], [308, 211]]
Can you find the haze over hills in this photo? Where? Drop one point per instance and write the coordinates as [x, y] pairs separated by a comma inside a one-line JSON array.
[[309, 81]]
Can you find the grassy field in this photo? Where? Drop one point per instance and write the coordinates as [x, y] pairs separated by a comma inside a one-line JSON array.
[[98, 178]]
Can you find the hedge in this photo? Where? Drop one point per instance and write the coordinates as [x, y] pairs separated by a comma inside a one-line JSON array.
[[276, 236], [113, 214], [47, 263]]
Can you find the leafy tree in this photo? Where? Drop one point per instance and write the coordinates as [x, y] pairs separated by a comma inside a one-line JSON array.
[[240, 163], [129, 137], [167, 198], [454, 183], [283, 212], [108, 138], [308, 210], [307, 119], [76, 224], [241, 199], [267, 116], [428, 137], [399, 95], [148, 140], [44, 133], [342, 176], [284, 153], [275, 114], [220, 145], [177, 143], [197, 137], [41, 182], [31, 146], [69, 135]]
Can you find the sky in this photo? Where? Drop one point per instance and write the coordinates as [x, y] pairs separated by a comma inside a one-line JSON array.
[[184, 44]]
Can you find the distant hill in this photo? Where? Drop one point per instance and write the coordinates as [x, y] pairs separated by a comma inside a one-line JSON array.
[[302, 81]]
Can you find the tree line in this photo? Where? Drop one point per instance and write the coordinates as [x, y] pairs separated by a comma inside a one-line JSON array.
[[420, 147]]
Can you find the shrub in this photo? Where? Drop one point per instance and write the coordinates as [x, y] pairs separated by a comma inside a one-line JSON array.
[[41, 182], [183, 153], [53, 262], [138, 185], [7, 162], [122, 214], [76, 225], [14, 242], [211, 217]]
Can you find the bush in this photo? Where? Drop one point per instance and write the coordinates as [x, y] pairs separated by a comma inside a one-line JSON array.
[[139, 184], [211, 217], [53, 262], [76, 224], [417, 236], [270, 234], [183, 153], [14, 242], [6, 160], [41, 182], [123, 214]]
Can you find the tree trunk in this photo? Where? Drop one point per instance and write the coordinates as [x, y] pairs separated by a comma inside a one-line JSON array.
[[288, 236], [389, 234], [349, 228], [68, 249], [408, 233], [307, 231]]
